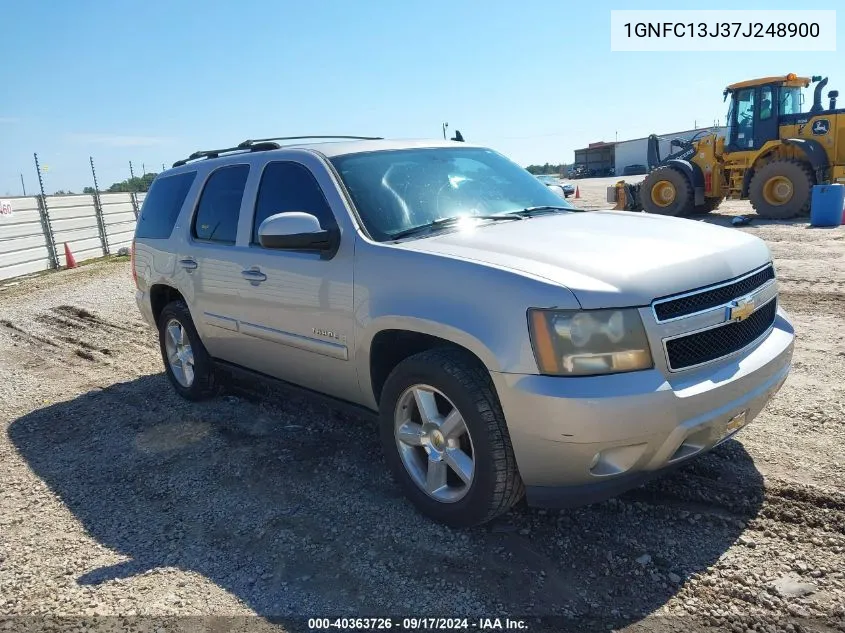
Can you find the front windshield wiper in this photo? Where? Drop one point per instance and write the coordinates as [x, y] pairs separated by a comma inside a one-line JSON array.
[[444, 222], [528, 212]]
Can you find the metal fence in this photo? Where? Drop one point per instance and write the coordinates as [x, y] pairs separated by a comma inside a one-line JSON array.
[[34, 230]]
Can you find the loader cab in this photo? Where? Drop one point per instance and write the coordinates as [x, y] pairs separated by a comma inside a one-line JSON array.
[[754, 112], [756, 109]]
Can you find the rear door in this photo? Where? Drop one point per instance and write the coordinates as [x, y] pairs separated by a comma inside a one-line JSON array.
[[208, 260], [296, 308]]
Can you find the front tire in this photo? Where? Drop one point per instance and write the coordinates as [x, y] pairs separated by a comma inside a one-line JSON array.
[[445, 438], [186, 361], [666, 191]]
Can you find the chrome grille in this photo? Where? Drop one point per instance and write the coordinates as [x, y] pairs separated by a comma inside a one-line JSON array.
[[710, 297], [698, 348]]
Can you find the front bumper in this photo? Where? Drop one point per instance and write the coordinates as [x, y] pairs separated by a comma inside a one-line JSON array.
[[581, 440]]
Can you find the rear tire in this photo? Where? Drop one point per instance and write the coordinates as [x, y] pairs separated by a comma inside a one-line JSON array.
[[186, 361], [781, 189], [666, 191], [451, 381]]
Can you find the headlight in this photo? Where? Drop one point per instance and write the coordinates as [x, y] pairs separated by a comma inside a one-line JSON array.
[[590, 342]]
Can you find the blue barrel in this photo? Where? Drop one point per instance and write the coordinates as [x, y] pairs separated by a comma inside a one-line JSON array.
[[827, 205]]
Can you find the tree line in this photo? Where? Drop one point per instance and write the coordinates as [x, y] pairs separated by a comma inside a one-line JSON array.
[[549, 168], [138, 184]]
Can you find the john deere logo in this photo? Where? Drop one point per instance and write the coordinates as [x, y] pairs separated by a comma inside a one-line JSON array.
[[821, 127]]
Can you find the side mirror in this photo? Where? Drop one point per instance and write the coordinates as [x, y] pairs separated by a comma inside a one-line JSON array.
[[298, 231], [558, 190]]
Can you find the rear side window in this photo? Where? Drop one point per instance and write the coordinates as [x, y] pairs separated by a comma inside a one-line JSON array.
[[216, 219], [162, 205], [287, 186]]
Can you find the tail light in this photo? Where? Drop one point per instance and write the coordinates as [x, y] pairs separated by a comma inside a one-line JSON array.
[[132, 263]]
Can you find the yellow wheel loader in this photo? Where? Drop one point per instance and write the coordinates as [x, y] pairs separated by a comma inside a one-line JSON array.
[[772, 155]]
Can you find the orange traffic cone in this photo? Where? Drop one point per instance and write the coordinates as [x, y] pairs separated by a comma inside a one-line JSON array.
[[70, 261], [577, 193]]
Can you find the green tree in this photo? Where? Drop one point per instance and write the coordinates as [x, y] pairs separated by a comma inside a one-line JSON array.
[[138, 184]]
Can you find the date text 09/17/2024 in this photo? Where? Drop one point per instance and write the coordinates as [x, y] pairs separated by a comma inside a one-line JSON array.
[[418, 624]]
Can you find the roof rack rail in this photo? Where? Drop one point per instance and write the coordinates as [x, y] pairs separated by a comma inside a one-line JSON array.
[[262, 145], [215, 153], [251, 142]]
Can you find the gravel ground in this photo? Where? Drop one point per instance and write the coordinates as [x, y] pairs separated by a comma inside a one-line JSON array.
[[117, 498]]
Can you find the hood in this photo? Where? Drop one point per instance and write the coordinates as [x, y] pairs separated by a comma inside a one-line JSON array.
[[608, 259]]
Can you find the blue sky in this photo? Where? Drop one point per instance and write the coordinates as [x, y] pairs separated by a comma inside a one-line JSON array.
[[153, 81]]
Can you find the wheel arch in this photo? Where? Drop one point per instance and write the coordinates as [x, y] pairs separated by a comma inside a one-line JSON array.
[[814, 151], [399, 339], [160, 296], [694, 174]]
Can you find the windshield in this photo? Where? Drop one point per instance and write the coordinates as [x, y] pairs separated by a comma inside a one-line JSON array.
[[394, 191]]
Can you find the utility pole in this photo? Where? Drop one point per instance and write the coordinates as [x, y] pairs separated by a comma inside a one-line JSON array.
[[162, 167], [98, 210], [143, 170], [45, 218], [445, 125], [131, 172], [23, 186]]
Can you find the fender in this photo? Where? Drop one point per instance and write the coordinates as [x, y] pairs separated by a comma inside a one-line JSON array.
[[695, 175], [813, 150], [421, 325]]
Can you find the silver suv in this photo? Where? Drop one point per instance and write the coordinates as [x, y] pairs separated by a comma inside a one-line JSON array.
[[510, 343]]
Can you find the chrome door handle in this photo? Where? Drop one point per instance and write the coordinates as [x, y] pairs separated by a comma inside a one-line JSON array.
[[188, 264], [253, 275]]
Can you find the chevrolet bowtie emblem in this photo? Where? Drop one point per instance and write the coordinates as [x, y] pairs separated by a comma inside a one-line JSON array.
[[740, 309]]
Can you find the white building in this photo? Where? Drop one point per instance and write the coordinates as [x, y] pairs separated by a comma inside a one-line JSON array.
[[635, 151]]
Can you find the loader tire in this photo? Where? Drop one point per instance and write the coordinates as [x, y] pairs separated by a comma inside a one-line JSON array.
[[781, 189], [666, 191], [710, 204]]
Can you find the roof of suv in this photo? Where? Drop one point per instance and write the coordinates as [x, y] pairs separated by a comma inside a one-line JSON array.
[[329, 149]]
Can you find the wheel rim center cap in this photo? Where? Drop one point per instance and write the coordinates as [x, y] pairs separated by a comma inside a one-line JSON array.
[[433, 440], [437, 440]]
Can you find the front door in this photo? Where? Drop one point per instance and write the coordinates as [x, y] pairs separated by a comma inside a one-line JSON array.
[[296, 311], [766, 127]]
